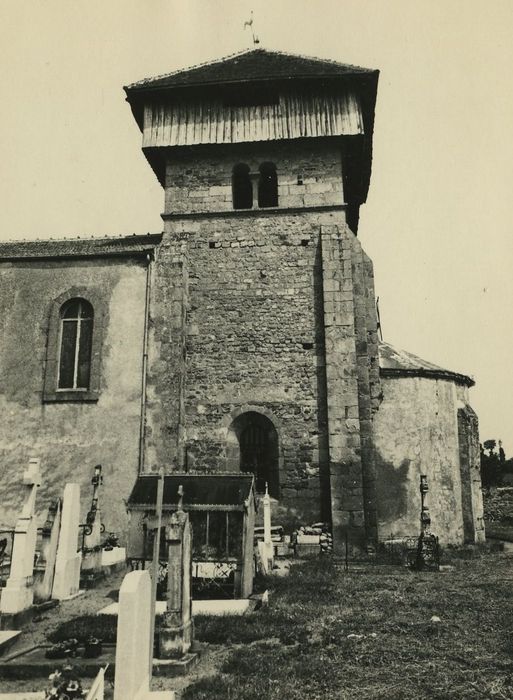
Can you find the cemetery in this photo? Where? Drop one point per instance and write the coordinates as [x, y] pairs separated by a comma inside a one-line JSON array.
[[274, 613]]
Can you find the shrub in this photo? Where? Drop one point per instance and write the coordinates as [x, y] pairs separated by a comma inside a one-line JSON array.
[[100, 626]]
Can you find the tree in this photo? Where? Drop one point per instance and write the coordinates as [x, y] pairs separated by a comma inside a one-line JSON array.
[[493, 464]]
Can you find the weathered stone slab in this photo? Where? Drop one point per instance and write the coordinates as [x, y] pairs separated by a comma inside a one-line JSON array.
[[175, 636], [51, 530], [67, 566], [18, 593], [97, 690], [7, 639], [132, 677]]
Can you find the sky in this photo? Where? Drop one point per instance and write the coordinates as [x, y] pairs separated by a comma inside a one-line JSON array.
[[438, 221]]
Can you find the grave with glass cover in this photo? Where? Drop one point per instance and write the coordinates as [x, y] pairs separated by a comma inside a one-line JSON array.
[[222, 515]]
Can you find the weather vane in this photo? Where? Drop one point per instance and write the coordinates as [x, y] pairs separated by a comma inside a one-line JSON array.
[[249, 24]]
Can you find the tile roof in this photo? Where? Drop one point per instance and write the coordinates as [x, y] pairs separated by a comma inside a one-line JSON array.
[[79, 247], [200, 490], [254, 64], [394, 362]]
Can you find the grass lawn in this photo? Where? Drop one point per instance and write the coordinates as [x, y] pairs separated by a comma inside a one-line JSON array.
[[368, 634], [329, 634]]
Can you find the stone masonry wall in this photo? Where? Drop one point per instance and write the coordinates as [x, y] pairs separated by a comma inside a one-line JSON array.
[[254, 340], [416, 432], [254, 314], [352, 386], [472, 496], [309, 174], [70, 438]]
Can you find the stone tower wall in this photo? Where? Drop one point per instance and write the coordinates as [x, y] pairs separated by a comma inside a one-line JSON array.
[[244, 293]]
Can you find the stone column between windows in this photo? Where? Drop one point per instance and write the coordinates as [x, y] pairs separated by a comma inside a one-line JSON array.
[[254, 177]]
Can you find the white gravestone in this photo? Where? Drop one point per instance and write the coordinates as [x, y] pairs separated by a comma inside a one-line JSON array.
[[67, 566], [266, 548], [18, 593], [134, 640], [267, 527], [51, 530], [97, 690]]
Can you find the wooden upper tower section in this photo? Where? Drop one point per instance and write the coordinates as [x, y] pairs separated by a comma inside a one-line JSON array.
[[258, 95]]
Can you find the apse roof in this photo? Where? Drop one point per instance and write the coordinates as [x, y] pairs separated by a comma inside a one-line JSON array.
[[251, 65], [395, 362]]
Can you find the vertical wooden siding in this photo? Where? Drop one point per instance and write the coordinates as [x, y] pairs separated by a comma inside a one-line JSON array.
[[295, 116]]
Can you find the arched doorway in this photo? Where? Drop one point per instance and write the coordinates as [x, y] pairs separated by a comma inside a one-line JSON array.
[[253, 448]]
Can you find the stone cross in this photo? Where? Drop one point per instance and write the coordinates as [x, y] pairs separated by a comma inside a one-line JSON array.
[[92, 561], [18, 593], [134, 643], [176, 633], [67, 566]]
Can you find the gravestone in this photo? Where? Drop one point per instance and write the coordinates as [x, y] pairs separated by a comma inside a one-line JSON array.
[[92, 554], [175, 637], [18, 593], [134, 642], [97, 690], [67, 565], [50, 540], [268, 549]]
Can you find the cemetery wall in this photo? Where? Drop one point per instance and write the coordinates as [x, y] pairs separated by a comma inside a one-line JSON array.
[[70, 437]]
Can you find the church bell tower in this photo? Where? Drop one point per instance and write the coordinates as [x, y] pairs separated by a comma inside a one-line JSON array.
[[263, 349]]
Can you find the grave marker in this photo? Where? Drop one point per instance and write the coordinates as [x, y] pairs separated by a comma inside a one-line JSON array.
[[134, 640], [18, 593], [268, 549], [97, 690], [92, 561], [155, 562], [67, 565], [176, 633], [51, 529]]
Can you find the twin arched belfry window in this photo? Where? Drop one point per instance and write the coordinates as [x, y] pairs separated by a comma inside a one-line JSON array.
[[76, 335], [242, 186]]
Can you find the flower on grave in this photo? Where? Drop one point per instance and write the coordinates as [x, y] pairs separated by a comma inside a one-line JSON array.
[[55, 677], [73, 687]]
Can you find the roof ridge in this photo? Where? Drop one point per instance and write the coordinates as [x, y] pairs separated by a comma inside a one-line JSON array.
[[161, 76], [82, 239], [314, 58], [223, 59]]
